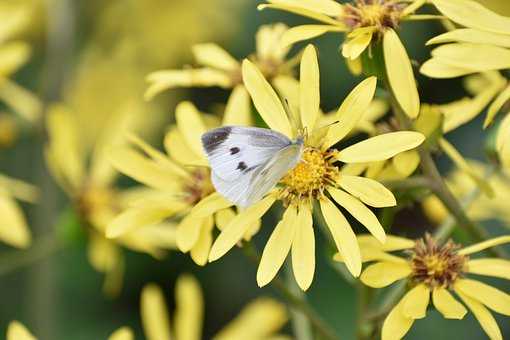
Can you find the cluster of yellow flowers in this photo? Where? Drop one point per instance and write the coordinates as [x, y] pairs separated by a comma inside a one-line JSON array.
[[176, 206]]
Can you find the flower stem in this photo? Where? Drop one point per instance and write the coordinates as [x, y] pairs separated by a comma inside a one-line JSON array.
[[300, 323], [323, 329]]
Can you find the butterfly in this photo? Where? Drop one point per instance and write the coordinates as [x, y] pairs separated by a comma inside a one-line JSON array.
[[247, 162]]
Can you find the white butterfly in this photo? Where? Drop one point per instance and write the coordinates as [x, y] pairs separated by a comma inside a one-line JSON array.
[[247, 162]]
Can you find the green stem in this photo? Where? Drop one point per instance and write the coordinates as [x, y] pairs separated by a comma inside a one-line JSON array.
[[407, 183], [323, 329], [300, 323]]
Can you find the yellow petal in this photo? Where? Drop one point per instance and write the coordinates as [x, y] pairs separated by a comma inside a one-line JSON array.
[[104, 255], [406, 162], [309, 92], [383, 274], [490, 267], [202, 77], [259, 319], [305, 32], [392, 242], [503, 133], [464, 166], [191, 126], [223, 218], [474, 56], [179, 151], [17, 331], [369, 254], [238, 226], [381, 147], [496, 105], [189, 313], [13, 55], [472, 14], [354, 169], [484, 245], [438, 68], [296, 9], [353, 48], [265, 99], [344, 237], [491, 297], [277, 247], [238, 109], [483, 316], [368, 191], [303, 249], [360, 212], [214, 56], [328, 7], [188, 232], [209, 205], [13, 226], [123, 333], [472, 36], [400, 74], [154, 314], [200, 251], [446, 304], [22, 101], [416, 302], [396, 325], [268, 42], [355, 66], [351, 110]]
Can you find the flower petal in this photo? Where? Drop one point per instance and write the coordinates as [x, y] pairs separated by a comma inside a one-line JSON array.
[[392, 243], [396, 325], [154, 314], [189, 313], [496, 105], [238, 109], [470, 35], [416, 302], [309, 92], [200, 250], [191, 126], [472, 14], [381, 147], [13, 55], [368, 191], [328, 7], [400, 74], [296, 9], [490, 267], [13, 226], [353, 48], [303, 249], [344, 237], [188, 232], [476, 57], [438, 68], [265, 99], [351, 110], [484, 245], [483, 316], [360, 212], [214, 56], [17, 331], [238, 226], [447, 305], [123, 333], [277, 247], [209, 205], [406, 162], [491, 297], [383, 274], [305, 32]]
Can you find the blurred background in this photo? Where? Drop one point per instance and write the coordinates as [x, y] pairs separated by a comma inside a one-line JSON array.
[[94, 56]]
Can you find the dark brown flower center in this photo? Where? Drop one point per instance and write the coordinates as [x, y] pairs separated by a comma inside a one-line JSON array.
[[199, 186], [381, 14]]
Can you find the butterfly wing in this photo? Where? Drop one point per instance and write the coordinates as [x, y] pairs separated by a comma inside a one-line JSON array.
[[234, 151]]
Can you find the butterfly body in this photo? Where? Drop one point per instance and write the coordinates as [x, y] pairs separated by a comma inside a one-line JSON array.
[[247, 162]]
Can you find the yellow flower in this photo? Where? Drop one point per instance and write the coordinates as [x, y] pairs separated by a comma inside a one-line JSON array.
[[261, 319], [180, 181], [13, 226], [435, 269], [219, 68], [317, 177], [17, 331]]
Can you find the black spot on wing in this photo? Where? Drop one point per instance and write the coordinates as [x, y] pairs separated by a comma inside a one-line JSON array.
[[242, 166], [212, 139], [234, 150]]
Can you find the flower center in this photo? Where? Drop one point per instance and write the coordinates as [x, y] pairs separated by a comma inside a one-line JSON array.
[[94, 200], [310, 177], [434, 265], [199, 186], [379, 13]]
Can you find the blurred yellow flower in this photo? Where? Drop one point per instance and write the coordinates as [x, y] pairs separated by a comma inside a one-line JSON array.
[[260, 320], [436, 269], [218, 68], [316, 177], [180, 181]]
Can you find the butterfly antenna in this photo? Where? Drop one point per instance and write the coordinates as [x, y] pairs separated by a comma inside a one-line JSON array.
[[291, 115]]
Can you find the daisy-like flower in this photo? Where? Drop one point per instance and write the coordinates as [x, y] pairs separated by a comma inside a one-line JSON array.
[[219, 68], [317, 177], [180, 181], [366, 23], [17, 331], [259, 320], [437, 270]]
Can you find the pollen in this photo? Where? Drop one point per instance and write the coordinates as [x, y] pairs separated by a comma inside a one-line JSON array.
[[310, 177], [436, 265], [381, 14], [198, 186]]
